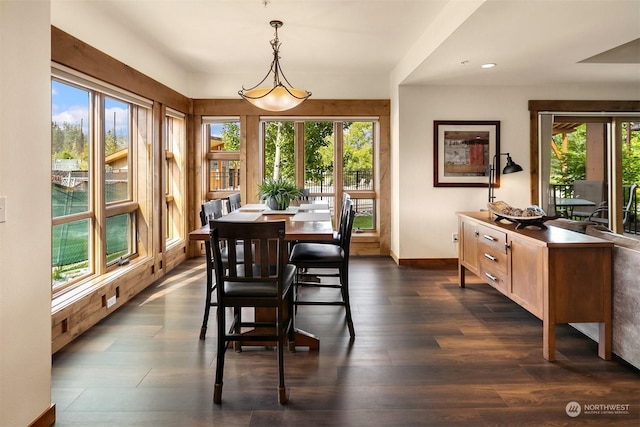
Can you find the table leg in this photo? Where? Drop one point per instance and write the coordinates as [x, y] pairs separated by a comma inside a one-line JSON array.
[[548, 340]]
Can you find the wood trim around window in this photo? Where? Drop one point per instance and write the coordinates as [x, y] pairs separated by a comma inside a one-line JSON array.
[[568, 106]]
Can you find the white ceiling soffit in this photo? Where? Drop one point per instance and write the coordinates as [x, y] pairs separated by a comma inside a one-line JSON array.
[[628, 53], [536, 42], [532, 41]]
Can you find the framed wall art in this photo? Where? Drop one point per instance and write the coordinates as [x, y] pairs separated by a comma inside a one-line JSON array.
[[462, 152]]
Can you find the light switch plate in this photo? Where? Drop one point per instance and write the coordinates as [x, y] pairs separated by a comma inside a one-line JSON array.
[[3, 209]]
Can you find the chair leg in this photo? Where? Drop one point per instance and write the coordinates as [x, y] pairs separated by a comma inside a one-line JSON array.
[[280, 327], [207, 305], [344, 280], [290, 322], [222, 346]]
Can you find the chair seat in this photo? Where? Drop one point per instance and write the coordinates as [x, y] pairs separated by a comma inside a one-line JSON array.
[[260, 289], [318, 253]]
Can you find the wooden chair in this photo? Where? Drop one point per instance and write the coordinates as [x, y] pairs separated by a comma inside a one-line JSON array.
[[233, 202], [262, 279], [209, 210], [309, 257]]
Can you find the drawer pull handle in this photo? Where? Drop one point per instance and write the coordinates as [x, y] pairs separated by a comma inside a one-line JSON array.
[[495, 279], [486, 236], [492, 258]]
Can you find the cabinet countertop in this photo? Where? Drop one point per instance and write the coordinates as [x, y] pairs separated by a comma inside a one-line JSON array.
[[551, 237]]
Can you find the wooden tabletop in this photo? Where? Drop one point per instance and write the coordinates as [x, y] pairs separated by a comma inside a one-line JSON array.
[[307, 225]]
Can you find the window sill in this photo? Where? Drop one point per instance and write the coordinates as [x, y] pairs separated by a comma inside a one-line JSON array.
[[68, 297]]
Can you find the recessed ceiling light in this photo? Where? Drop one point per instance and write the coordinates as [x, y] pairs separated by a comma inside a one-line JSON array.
[[489, 65]]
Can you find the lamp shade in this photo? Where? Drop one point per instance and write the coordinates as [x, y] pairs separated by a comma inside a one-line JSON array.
[[277, 98], [511, 166]]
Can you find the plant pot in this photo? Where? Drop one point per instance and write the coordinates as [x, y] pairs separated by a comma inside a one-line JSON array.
[[272, 203]]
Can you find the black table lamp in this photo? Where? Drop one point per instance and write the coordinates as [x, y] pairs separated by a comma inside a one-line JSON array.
[[510, 167]]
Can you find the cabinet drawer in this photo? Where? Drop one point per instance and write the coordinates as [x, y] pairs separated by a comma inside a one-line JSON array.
[[492, 259], [494, 277], [492, 238]]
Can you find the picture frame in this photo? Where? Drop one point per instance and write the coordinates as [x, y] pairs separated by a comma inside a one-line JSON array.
[[462, 152]]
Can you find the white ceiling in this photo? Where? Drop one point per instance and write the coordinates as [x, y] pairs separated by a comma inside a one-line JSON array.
[[426, 42]]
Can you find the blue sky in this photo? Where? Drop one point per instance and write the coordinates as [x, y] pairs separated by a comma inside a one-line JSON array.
[[71, 105]]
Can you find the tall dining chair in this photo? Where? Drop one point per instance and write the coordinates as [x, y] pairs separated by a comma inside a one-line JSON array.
[[211, 209], [264, 278], [319, 260], [234, 202]]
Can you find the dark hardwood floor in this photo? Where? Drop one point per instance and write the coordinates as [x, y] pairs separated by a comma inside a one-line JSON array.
[[426, 353]]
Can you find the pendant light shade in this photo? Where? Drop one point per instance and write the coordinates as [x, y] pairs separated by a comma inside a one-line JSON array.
[[280, 96]]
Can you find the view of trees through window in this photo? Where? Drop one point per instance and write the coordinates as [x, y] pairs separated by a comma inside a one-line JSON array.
[[569, 153], [569, 164], [320, 152]]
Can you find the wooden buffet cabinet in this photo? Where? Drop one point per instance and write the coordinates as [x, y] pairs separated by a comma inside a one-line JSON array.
[[558, 275]]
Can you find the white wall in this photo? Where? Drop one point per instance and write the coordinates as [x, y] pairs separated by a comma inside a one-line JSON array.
[[114, 37], [426, 214], [25, 237]]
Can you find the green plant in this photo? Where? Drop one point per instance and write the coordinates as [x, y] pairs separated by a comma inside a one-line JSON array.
[[278, 192]]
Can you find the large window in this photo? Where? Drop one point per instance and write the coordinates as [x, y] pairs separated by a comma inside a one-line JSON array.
[[338, 156], [94, 132], [175, 174], [579, 144], [223, 156]]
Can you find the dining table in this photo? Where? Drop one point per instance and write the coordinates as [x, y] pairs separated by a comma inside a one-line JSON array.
[[305, 222]]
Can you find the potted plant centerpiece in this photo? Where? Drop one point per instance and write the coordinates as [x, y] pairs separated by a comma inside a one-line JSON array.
[[278, 193]]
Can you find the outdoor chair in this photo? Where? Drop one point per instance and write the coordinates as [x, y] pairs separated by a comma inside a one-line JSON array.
[[593, 190], [601, 213], [264, 279]]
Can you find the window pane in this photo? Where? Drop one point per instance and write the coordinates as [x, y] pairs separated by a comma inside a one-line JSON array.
[[358, 156], [365, 217], [279, 160], [116, 149], [119, 236], [224, 136], [69, 149], [224, 175], [318, 157], [174, 174], [70, 249]]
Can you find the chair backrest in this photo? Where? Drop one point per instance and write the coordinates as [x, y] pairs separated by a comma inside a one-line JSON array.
[[210, 210], [233, 202], [265, 254], [344, 212], [304, 195], [345, 236], [593, 190], [630, 203]]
